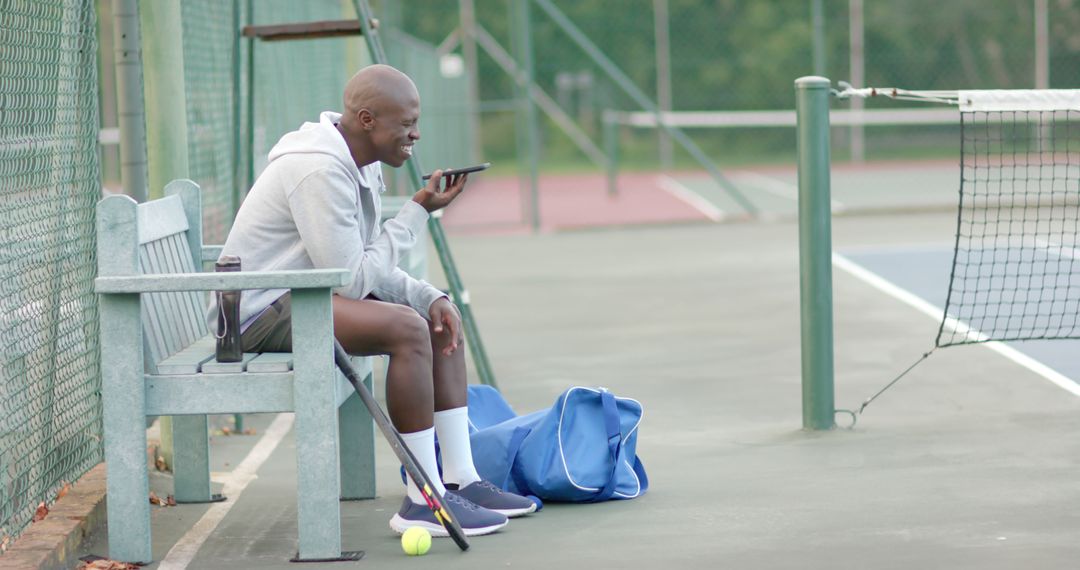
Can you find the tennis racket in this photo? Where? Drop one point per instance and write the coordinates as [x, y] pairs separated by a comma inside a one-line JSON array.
[[427, 489]]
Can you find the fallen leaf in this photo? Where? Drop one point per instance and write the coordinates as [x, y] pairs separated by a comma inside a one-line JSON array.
[[170, 501], [250, 431], [106, 564], [155, 500], [4, 544], [41, 512], [63, 491], [159, 463]]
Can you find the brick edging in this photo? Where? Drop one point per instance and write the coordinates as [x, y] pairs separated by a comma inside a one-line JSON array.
[[53, 542]]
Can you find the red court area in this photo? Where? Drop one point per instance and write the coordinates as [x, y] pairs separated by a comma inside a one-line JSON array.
[[492, 204]]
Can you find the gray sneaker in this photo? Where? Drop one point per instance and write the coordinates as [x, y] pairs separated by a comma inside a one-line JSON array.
[[474, 520], [487, 495]]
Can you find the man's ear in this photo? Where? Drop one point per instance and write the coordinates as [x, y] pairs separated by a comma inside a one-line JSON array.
[[365, 119]]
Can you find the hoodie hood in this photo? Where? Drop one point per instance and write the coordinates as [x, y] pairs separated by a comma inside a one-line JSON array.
[[317, 138]]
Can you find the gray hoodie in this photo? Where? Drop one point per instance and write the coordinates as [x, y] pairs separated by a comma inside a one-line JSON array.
[[312, 208]]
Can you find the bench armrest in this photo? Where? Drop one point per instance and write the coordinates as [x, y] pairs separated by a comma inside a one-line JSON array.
[[224, 281]]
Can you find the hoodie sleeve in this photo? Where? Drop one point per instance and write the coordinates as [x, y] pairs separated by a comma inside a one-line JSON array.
[[402, 288], [324, 206]]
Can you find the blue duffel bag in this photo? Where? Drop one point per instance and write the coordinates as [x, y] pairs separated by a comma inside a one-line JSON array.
[[582, 449]]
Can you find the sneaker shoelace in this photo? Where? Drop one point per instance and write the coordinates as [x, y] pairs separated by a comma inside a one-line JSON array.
[[462, 501], [490, 485]]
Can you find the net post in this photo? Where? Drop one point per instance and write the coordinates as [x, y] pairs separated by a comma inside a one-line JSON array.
[[815, 252]]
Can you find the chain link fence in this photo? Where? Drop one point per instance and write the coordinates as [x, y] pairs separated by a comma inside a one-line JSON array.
[[280, 85], [50, 415], [729, 55]]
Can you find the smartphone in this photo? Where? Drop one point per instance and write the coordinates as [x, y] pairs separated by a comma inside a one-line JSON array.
[[467, 169]]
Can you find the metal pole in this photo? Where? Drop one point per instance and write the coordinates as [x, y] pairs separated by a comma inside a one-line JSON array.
[[167, 159], [467, 11], [166, 101], [528, 126], [249, 76], [1042, 45], [129, 98], [817, 17], [663, 76], [858, 78], [815, 252], [238, 189], [611, 148]]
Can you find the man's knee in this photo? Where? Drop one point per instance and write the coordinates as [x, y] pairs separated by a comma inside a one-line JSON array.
[[408, 328]]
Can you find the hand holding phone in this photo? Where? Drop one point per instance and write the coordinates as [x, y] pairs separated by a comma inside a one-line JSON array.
[[466, 170], [437, 194]]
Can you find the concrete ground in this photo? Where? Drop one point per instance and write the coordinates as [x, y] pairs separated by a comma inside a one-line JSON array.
[[970, 462]]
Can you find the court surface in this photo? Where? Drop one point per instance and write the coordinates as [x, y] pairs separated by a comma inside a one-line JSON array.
[[577, 201], [970, 462], [920, 276]]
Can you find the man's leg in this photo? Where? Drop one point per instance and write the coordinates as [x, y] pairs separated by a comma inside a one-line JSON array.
[[371, 327], [451, 411], [452, 425]]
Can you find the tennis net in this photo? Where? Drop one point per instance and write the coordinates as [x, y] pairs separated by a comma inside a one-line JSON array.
[[1015, 273]]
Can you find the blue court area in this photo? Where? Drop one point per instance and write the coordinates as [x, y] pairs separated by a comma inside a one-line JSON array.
[[920, 275]]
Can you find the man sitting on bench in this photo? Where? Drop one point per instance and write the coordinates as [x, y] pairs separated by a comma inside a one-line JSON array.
[[317, 205]]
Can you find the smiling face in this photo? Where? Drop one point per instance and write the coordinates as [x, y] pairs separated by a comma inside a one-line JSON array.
[[395, 128], [381, 118]]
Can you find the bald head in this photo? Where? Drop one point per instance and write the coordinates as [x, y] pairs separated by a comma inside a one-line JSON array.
[[376, 88], [382, 112]]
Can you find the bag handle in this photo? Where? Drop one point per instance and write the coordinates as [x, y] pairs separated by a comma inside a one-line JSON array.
[[615, 447], [516, 439]]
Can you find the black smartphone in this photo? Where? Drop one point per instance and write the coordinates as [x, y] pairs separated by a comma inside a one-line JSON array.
[[467, 169]]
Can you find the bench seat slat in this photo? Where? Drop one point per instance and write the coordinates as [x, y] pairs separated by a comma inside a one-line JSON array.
[[215, 367], [271, 362], [189, 360]]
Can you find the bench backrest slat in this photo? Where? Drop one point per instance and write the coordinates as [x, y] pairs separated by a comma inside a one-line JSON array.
[[171, 321]]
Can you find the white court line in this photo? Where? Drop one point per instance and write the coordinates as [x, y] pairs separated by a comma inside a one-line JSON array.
[[699, 203], [181, 554], [874, 280], [779, 188]]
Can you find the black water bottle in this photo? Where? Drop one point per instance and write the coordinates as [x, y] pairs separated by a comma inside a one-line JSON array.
[[228, 321]]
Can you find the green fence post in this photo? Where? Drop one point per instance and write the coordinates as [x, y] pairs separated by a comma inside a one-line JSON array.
[[611, 148], [129, 98], [815, 252], [528, 128]]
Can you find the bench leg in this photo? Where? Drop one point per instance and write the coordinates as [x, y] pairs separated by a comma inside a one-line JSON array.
[[316, 429], [124, 419], [357, 448], [191, 460]]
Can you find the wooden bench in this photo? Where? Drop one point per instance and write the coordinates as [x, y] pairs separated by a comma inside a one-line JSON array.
[[157, 359]]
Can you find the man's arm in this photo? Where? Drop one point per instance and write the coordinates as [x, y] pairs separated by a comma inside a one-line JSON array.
[[324, 208]]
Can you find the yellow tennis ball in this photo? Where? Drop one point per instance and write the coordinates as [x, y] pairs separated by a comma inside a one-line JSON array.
[[416, 541]]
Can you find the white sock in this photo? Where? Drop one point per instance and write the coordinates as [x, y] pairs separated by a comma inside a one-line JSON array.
[[453, 429], [422, 446]]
